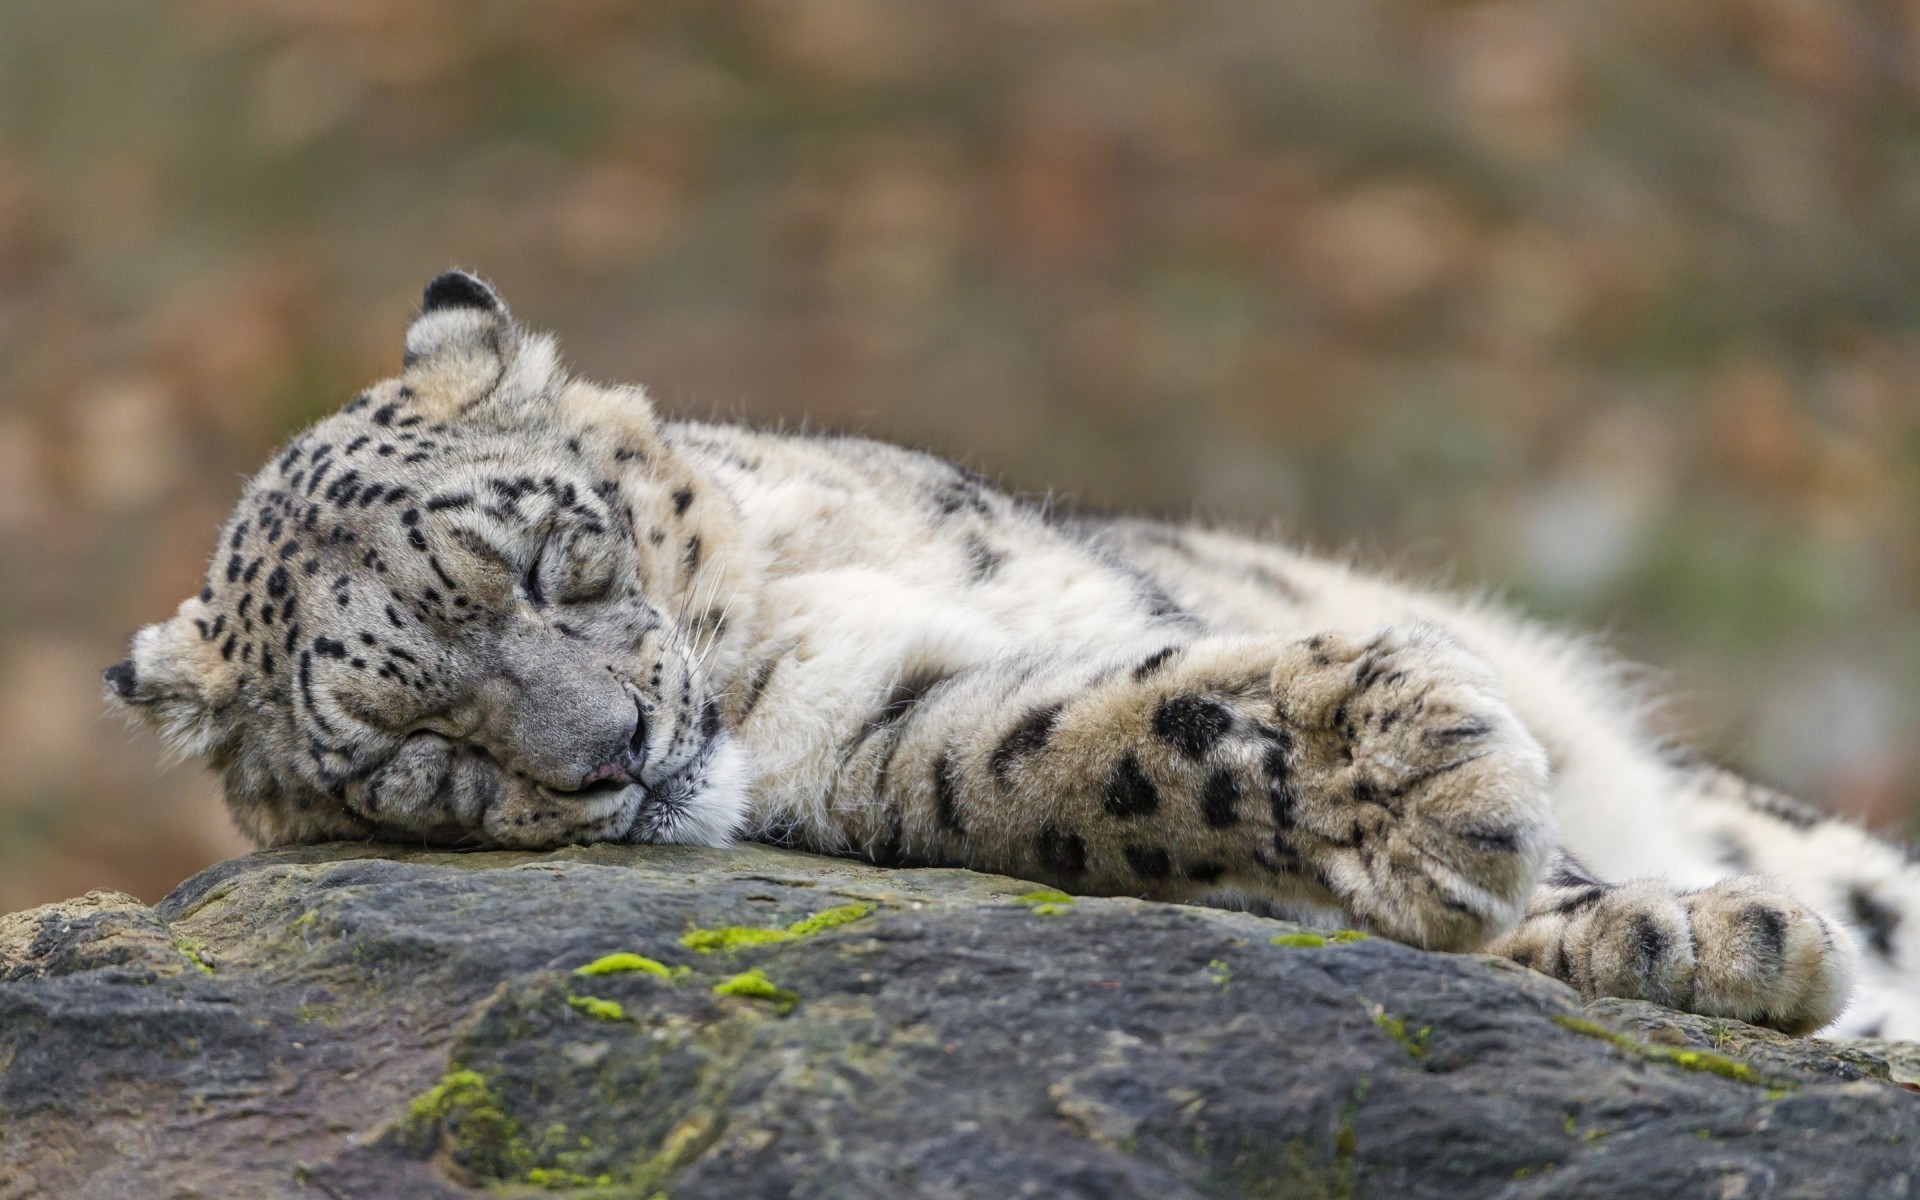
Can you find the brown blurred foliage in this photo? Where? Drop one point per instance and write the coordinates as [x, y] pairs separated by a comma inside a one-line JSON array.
[[1611, 302]]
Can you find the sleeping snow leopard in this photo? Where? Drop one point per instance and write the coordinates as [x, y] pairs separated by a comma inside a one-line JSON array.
[[489, 604]]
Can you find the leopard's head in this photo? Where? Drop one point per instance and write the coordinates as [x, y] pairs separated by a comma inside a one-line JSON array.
[[480, 605]]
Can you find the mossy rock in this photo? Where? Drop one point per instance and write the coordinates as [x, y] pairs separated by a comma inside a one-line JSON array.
[[357, 1021]]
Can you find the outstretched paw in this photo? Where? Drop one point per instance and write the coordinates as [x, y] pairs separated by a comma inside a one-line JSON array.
[[1743, 948], [1420, 800], [1762, 956]]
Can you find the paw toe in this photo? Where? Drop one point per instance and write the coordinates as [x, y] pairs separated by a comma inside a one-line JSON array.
[[1641, 948], [1766, 958]]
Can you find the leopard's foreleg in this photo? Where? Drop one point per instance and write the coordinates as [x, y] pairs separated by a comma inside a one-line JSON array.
[[1383, 776]]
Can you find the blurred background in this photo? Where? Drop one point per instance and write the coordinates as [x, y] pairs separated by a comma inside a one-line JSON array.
[[1613, 305]]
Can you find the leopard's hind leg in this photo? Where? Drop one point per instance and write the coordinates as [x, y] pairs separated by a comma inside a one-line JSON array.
[[1743, 947], [1866, 885]]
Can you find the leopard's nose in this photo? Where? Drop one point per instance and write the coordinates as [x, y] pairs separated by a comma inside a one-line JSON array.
[[624, 766]]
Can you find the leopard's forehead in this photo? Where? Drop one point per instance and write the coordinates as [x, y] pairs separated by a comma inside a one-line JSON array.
[[362, 516]]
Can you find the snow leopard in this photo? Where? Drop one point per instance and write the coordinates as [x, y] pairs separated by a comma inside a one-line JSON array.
[[491, 604]]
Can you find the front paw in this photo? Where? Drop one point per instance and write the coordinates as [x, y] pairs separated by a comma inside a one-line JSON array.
[[1743, 948], [1420, 799]]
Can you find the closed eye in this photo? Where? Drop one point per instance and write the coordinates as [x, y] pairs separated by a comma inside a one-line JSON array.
[[530, 586], [570, 569], [586, 583]]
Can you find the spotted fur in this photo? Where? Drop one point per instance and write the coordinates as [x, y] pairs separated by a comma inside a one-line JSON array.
[[488, 604]]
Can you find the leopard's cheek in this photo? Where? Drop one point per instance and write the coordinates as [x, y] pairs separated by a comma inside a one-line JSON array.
[[431, 787]]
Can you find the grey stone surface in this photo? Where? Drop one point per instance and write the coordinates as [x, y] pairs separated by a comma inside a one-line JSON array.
[[372, 1022]]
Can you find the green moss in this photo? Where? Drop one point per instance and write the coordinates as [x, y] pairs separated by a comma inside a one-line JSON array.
[[464, 1115], [686, 1141], [1413, 1042], [754, 985], [1220, 972], [1717, 1064], [1595, 1134], [456, 1089], [464, 1111], [558, 1178], [1309, 941], [1346, 1140], [557, 1138], [594, 1006], [616, 964], [733, 937], [832, 918], [1043, 896], [1046, 902], [194, 951], [1690, 1060]]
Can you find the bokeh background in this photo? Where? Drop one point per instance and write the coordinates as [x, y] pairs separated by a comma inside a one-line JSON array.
[[1611, 304]]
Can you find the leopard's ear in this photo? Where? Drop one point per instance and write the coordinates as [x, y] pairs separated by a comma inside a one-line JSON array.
[[466, 341], [175, 679], [460, 315]]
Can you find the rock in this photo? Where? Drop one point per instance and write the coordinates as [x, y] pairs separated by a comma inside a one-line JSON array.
[[355, 1021], [1765, 1050]]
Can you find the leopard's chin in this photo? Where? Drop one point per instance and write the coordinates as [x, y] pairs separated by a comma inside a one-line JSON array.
[[703, 803]]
